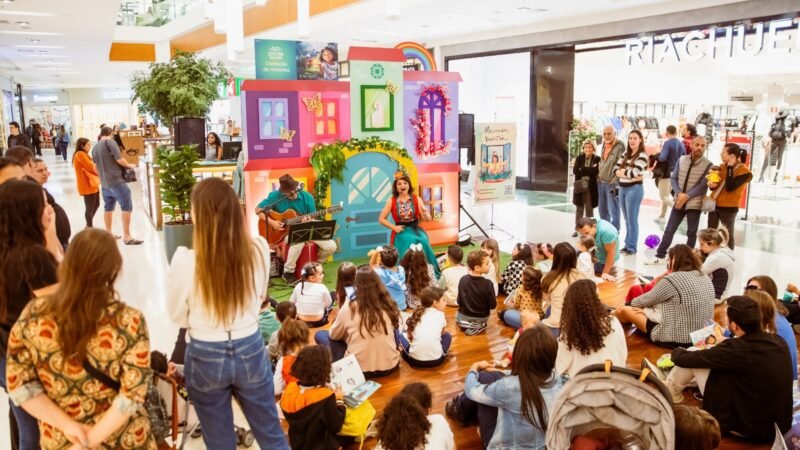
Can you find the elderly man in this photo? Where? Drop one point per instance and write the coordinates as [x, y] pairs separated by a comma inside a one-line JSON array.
[[610, 152], [690, 185]]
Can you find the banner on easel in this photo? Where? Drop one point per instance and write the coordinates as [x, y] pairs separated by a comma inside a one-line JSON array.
[[494, 170]]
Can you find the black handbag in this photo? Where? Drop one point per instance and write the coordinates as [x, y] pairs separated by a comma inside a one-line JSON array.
[[128, 174], [580, 186]]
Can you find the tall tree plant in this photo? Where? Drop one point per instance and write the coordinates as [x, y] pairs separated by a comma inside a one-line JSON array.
[[186, 85]]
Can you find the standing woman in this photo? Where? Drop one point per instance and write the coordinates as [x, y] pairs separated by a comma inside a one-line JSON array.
[[79, 360], [36, 138], [735, 178], [213, 147], [586, 168], [26, 222], [407, 210], [630, 170], [216, 291], [87, 178], [62, 142]]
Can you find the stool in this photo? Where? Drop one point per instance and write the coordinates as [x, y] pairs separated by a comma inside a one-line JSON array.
[[309, 254]]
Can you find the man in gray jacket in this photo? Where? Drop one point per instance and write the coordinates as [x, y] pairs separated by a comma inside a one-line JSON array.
[[610, 152], [690, 185]]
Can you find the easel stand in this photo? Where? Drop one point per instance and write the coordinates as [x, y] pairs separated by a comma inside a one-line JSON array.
[[474, 222], [493, 227]]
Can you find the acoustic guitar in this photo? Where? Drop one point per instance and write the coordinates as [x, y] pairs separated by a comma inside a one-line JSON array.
[[289, 218]]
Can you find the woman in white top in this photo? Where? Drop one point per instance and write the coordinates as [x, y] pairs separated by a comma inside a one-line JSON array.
[[405, 422], [312, 298], [216, 291], [556, 282], [589, 333]]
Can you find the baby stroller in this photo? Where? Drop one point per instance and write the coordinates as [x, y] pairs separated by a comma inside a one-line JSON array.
[[615, 406]]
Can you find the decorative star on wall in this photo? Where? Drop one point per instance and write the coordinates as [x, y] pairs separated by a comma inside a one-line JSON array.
[[314, 102], [287, 135]]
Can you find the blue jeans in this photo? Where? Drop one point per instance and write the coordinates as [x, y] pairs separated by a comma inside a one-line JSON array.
[[607, 204], [338, 348], [630, 198], [27, 425], [675, 218], [447, 339], [512, 318], [217, 371]]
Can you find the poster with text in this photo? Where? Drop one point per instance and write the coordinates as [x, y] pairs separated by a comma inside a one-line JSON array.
[[494, 170], [296, 60]]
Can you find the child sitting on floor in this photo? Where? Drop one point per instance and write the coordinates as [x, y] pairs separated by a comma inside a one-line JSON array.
[[383, 261], [425, 343], [586, 257], [521, 256], [453, 274], [543, 257], [311, 297], [284, 311], [293, 336], [314, 412], [267, 322], [527, 297], [419, 274], [529, 319], [492, 248], [345, 283], [476, 295], [406, 423]]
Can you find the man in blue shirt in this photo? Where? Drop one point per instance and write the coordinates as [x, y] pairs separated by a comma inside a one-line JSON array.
[[287, 197], [606, 241], [667, 160]]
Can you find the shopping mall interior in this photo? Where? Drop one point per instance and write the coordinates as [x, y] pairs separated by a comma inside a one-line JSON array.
[[559, 141]]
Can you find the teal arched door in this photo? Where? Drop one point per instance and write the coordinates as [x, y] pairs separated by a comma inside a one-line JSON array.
[[367, 185]]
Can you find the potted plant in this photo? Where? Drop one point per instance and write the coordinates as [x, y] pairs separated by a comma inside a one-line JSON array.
[[176, 181]]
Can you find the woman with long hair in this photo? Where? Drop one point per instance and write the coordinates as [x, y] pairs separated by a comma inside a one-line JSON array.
[[91, 350], [28, 263], [682, 301], [87, 178], [586, 169], [735, 176], [62, 142], [407, 210], [523, 398], [365, 327], [557, 281], [216, 291], [589, 333], [213, 147], [630, 170]]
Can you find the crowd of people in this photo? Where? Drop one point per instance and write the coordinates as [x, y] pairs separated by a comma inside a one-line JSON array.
[[76, 360]]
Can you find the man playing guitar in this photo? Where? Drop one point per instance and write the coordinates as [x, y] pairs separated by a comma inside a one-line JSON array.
[[290, 197]]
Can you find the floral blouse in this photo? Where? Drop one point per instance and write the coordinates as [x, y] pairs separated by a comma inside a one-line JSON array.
[[405, 210], [120, 349]]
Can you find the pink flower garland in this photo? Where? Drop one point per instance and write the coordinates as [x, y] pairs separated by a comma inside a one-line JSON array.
[[422, 127]]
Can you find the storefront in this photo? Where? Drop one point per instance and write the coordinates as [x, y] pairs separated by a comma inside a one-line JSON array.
[[50, 109], [93, 107]]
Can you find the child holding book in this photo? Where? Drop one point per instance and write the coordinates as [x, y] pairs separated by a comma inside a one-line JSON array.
[[476, 295], [426, 341], [406, 422], [492, 248], [383, 261], [452, 274], [315, 412], [521, 256], [293, 337], [419, 274], [284, 311], [312, 298]]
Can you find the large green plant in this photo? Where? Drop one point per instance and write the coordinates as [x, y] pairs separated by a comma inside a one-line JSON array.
[[580, 133], [184, 86], [177, 180]]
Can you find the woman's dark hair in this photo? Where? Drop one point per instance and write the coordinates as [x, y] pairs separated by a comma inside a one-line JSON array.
[[292, 334], [419, 392], [427, 298], [21, 207], [733, 148], [308, 271], [217, 142], [524, 253], [744, 311], [312, 366], [345, 277], [585, 322], [330, 49], [565, 259], [767, 284], [389, 256], [691, 129], [630, 156], [538, 249], [533, 361], [531, 281], [416, 267], [683, 259], [767, 307], [405, 178], [79, 146], [372, 303], [403, 424]]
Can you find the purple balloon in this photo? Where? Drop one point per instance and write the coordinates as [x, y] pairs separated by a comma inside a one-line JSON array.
[[652, 241]]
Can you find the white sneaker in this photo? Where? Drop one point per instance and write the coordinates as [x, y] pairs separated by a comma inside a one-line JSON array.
[[660, 220], [654, 261]]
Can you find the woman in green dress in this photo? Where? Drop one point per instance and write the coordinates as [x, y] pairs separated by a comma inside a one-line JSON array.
[[407, 209]]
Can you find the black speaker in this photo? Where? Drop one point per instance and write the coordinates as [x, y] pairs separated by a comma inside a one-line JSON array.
[[466, 135], [191, 130]]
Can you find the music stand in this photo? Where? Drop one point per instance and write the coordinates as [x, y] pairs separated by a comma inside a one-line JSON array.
[[315, 230]]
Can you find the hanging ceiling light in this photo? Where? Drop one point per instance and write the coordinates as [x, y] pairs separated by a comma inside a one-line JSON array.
[[392, 9], [303, 30], [220, 16], [235, 29]]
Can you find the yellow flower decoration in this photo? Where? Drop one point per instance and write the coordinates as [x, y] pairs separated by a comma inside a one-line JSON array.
[[287, 135], [391, 88], [713, 176], [313, 103]]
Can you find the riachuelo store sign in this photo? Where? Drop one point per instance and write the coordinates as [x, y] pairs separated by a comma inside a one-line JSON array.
[[779, 37]]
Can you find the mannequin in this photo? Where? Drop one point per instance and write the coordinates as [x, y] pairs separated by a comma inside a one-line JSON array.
[[779, 132], [705, 118]]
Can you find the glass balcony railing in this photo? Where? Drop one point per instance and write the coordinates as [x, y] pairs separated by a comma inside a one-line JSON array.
[[154, 13]]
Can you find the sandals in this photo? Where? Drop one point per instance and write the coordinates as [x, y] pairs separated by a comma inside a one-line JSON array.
[[133, 242]]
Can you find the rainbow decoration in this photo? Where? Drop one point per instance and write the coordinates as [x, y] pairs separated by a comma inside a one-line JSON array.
[[418, 52]]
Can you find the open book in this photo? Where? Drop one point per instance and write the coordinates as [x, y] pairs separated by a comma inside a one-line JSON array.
[[707, 337], [346, 375]]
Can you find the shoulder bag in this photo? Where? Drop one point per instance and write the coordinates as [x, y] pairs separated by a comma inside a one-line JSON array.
[[128, 174], [580, 185]]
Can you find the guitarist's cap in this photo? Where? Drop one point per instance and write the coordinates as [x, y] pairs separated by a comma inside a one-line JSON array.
[[287, 183]]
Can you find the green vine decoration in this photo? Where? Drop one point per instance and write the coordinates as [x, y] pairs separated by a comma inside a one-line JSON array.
[[328, 160]]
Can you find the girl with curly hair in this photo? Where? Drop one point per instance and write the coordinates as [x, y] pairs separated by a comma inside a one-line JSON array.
[[590, 334], [419, 274], [528, 297], [425, 342], [406, 425]]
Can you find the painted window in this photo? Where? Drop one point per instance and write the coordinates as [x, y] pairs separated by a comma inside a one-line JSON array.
[[432, 104], [273, 114], [432, 199], [326, 119]]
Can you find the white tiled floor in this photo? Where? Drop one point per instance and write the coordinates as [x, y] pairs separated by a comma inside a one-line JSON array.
[[142, 284]]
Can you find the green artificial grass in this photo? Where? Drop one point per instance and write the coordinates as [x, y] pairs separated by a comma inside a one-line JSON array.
[[280, 291]]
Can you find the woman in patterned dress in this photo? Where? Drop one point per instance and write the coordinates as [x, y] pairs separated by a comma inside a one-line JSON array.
[[83, 323], [407, 210]]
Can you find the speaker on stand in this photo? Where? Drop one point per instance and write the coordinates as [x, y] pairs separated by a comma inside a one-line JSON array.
[[466, 135], [191, 130]]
